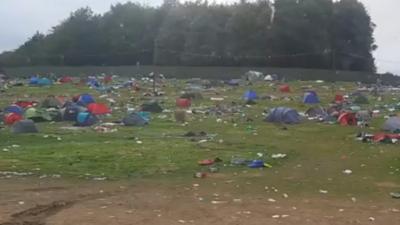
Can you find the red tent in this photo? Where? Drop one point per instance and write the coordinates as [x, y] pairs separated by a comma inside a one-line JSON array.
[[339, 98], [11, 118], [347, 119], [25, 104], [183, 102], [107, 79], [98, 109], [284, 88], [66, 79], [382, 136]]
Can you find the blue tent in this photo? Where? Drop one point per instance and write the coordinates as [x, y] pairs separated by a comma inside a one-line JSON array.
[[85, 99], [92, 82], [283, 115], [14, 109], [310, 97], [250, 95], [44, 82], [85, 119], [34, 80]]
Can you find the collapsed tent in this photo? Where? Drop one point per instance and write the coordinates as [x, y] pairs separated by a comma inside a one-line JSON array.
[[11, 118], [134, 119], [284, 88], [25, 104], [392, 124], [66, 79], [37, 115], [310, 97], [316, 112], [250, 95], [347, 119], [98, 109], [152, 106], [85, 119], [283, 115], [24, 126], [44, 82], [14, 109]]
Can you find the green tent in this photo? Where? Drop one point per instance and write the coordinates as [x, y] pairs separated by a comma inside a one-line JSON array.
[[40, 115]]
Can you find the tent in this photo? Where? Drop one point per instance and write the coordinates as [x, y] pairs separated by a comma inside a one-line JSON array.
[[71, 111], [24, 126], [98, 109], [33, 80], [85, 119], [310, 97], [85, 99], [11, 118], [339, 99], [107, 79], [392, 124], [44, 82], [283, 115], [134, 119], [316, 112], [234, 82], [183, 102], [268, 78], [284, 88], [51, 102], [250, 95], [25, 104], [152, 106], [14, 109], [66, 79], [37, 115], [347, 119], [361, 99]]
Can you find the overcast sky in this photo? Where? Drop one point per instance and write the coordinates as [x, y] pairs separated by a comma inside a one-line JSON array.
[[22, 18]]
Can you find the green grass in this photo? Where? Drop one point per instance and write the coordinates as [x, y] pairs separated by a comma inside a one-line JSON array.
[[317, 153]]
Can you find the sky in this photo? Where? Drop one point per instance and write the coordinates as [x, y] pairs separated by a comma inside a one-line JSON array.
[[28, 16]]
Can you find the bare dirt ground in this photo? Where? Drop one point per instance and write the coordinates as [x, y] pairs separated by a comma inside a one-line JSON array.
[[33, 201]]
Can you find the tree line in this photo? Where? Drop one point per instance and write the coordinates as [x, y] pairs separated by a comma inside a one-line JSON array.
[[322, 34]]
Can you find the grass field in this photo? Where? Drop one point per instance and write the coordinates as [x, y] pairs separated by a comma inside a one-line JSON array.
[[317, 153]]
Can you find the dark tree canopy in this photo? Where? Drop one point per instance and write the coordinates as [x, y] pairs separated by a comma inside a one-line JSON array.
[[287, 33]]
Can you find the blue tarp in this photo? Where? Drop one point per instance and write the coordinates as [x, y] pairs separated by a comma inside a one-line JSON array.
[[283, 115]]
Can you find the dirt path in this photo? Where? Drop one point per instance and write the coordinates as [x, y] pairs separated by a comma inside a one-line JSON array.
[[57, 202]]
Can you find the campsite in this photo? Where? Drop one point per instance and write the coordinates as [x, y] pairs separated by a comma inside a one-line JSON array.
[[197, 112], [302, 139]]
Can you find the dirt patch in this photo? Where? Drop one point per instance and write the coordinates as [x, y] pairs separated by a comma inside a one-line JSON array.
[[38, 214]]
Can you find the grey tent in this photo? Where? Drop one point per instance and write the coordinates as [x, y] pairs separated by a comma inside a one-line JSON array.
[[24, 126], [152, 106], [392, 124], [51, 102], [316, 112], [283, 115], [134, 119]]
